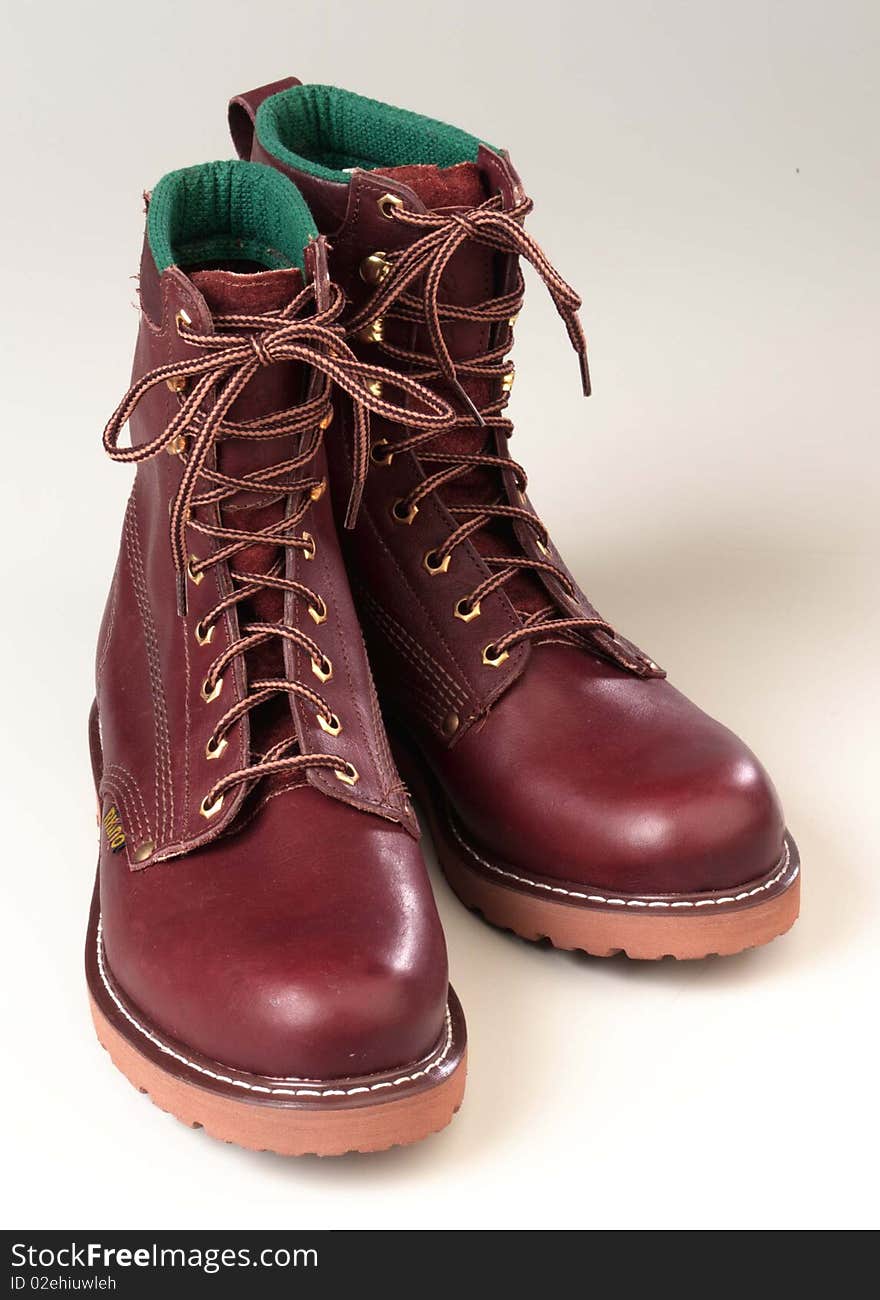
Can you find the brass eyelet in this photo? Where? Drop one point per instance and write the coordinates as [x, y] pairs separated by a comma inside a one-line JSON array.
[[177, 446], [403, 514], [318, 490], [375, 387], [545, 550], [177, 383], [318, 614], [182, 318], [434, 564], [214, 750], [349, 774], [195, 575], [507, 380], [375, 268], [374, 332], [210, 692], [331, 725], [492, 659], [310, 547], [377, 456], [388, 204], [211, 809], [466, 611], [326, 420], [204, 635], [143, 851], [513, 319], [322, 668]]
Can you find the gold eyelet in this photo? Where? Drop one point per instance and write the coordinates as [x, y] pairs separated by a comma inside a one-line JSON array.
[[177, 383], [177, 446], [376, 454], [215, 750], [204, 635], [513, 319], [375, 387], [372, 333], [310, 547], [182, 318], [494, 660], [318, 614], [545, 550], [211, 809], [401, 517], [210, 692], [322, 668], [195, 576], [507, 380], [434, 564], [331, 725], [466, 611], [326, 420], [318, 490], [349, 774], [375, 268], [389, 203], [143, 851]]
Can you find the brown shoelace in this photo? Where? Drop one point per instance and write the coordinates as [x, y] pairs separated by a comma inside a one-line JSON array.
[[396, 297], [230, 358]]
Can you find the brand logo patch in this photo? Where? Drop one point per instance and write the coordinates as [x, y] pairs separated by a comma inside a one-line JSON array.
[[113, 829]]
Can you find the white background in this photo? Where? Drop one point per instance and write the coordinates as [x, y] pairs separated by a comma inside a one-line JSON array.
[[707, 174]]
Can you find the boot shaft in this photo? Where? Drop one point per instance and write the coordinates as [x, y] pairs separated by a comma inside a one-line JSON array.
[[231, 531], [402, 197]]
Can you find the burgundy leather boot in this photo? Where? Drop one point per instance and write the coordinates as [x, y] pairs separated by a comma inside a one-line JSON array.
[[572, 791], [264, 955]]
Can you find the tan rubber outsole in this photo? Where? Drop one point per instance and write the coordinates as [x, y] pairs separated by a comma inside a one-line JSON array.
[[286, 1131], [605, 933]]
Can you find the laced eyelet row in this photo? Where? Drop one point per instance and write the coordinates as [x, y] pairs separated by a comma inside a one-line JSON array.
[[496, 225], [240, 342]]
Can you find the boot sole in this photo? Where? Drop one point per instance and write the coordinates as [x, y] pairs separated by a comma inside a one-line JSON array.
[[578, 917], [290, 1117]]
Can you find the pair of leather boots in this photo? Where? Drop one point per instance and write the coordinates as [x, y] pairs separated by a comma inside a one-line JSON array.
[[318, 420]]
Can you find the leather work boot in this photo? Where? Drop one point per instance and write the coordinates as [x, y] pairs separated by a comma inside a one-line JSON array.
[[572, 791], [264, 955]]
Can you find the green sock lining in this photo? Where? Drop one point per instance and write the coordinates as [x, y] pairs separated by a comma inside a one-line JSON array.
[[228, 211], [323, 130]]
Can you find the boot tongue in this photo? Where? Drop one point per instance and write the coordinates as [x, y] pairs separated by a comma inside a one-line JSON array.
[[239, 292], [472, 275], [461, 186], [274, 388]]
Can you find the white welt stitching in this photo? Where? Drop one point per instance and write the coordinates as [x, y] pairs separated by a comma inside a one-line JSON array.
[[257, 1087], [629, 902]]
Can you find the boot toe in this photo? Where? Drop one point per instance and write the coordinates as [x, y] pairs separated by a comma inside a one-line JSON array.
[[312, 952]]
